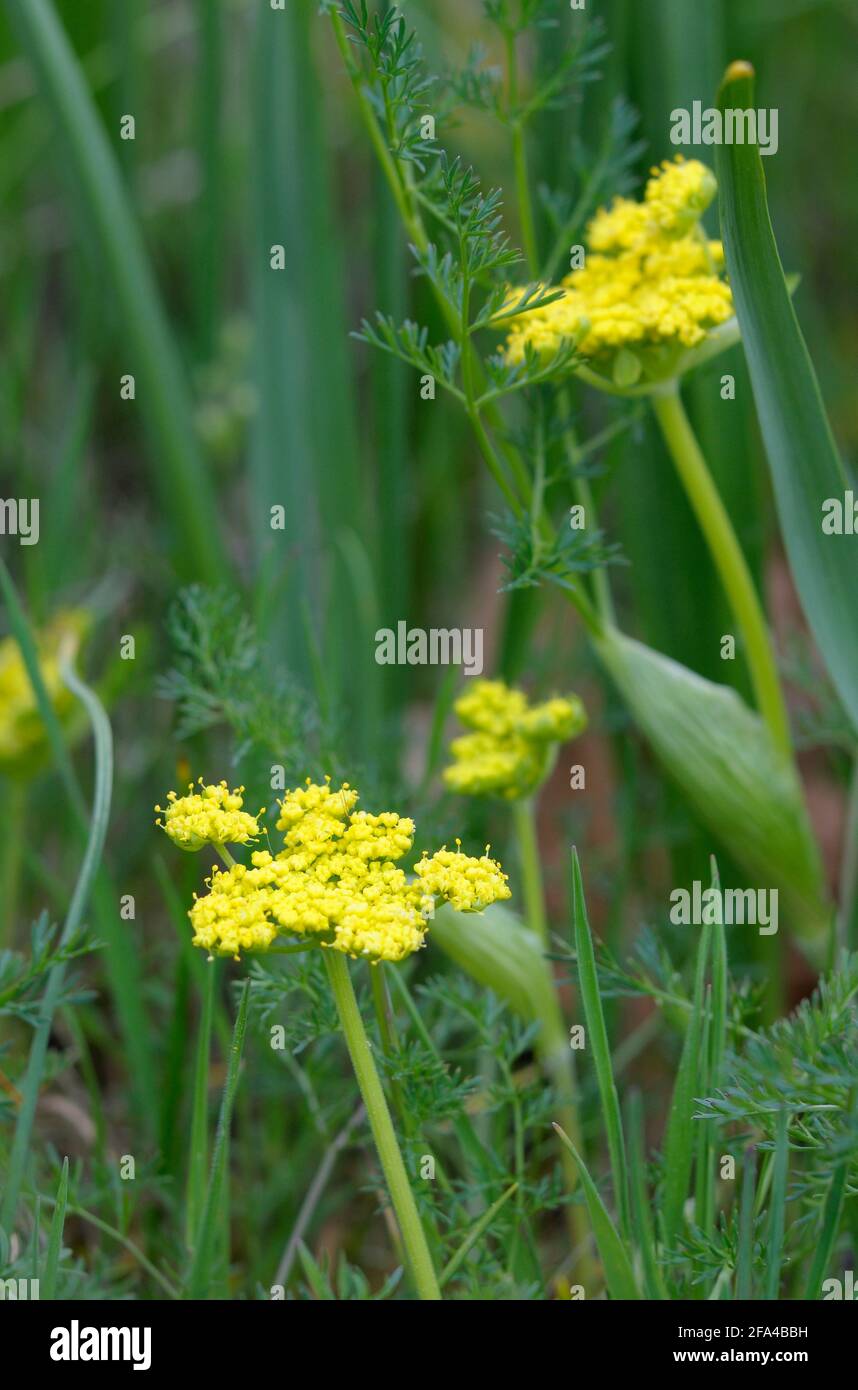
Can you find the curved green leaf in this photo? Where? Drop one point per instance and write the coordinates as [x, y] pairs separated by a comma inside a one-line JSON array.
[[806, 468], [619, 1276]]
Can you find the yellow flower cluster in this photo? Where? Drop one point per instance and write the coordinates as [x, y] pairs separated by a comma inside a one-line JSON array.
[[510, 749], [651, 280], [211, 816], [337, 879], [21, 727]]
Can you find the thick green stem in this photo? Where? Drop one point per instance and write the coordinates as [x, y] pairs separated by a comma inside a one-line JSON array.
[[524, 819], [413, 1235], [728, 559]]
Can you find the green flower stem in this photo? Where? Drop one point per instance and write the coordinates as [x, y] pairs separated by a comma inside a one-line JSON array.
[[524, 820], [398, 181], [386, 1031], [728, 558], [584, 493], [552, 1043], [519, 158], [413, 1235]]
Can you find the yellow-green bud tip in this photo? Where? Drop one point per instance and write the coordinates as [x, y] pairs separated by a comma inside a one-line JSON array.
[[739, 69]]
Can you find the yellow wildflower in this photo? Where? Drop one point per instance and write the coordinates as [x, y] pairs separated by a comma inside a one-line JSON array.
[[337, 879], [211, 816], [21, 729], [651, 285], [467, 884], [510, 750]]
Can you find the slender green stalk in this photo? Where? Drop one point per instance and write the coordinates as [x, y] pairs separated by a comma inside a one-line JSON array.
[[524, 820], [831, 1211], [640, 1208], [519, 159], [728, 560], [777, 1218], [14, 794], [745, 1249], [597, 1036], [619, 1275], [48, 1286], [200, 1274], [198, 1161], [474, 1234], [411, 1229]]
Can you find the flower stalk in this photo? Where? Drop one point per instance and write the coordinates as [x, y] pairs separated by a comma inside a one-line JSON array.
[[728, 559], [524, 821], [366, 1073]]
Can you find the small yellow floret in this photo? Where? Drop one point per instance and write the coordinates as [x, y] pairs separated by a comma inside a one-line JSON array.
[[211, 816]]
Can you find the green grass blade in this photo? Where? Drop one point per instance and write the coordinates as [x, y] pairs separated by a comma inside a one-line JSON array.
[[48, 1284], [828, 1235], [184, 487], [619, 1276], [315, 1276], [806, 467], [201, 1274], [704, 1186], [745, 1251], [641, 1218], [679, 1135], [777, 1208], [597, 1035], [718, 1036], [103, 783], [474, 1234]]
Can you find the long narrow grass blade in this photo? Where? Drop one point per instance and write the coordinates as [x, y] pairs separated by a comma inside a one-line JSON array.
[[828, 1235], [474, 1234], [641, 1219], [198, 1159], [202, 1274], [777, 1208], [806, 468], [48, 1284], [184, 487], [597, 1036], [679, 1136], [619, 1276], [745, 1250], [718, 1035]]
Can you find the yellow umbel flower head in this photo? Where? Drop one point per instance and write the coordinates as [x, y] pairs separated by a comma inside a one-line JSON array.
[[337, 881], [22, 733], [651, 290], [512, 746], [210, 816]]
